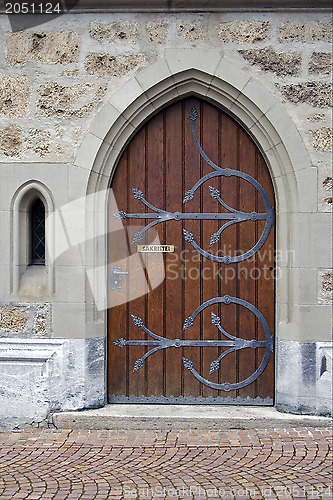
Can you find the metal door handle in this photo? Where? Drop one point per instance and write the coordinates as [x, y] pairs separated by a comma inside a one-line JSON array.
[[116, 277]]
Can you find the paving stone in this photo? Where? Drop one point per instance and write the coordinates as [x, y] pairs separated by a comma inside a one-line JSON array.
[[288, 462]]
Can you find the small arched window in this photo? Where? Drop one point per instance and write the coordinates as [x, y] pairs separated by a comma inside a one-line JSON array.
[[37, 236]]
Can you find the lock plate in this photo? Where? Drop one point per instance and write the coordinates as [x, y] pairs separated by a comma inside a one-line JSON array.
[[116, 277]]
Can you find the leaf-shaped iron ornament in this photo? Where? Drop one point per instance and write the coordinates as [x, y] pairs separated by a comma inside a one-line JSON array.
[[187, 364], [120, 342]]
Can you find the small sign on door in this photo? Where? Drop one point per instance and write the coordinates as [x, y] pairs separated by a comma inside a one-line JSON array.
[[156, 248]]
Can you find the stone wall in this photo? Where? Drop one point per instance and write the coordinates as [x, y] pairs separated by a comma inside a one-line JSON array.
[[54, 80]]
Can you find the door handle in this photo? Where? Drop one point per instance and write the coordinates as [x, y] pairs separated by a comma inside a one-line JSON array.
[[116, 277]]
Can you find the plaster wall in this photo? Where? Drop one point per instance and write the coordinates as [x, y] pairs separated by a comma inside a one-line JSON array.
[[73, 91]]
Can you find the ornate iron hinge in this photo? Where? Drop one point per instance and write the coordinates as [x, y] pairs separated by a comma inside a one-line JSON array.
[[234, 343], [231, 217]]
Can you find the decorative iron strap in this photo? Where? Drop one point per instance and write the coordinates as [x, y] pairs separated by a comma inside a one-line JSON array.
[[234, 343], [232, 216]]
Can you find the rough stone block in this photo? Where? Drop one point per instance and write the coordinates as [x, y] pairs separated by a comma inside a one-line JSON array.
[[320, 63], [157, 31], [52, 48], [87, 109], [322, 139], [244, 31], [55, 100], [328, 188], [108, 65], [59, 101], [39, 141], [13, 320], [190, 30], [25, 320], [316, 94], [11, 140], [325, 189], [302, 32], [325, 279], [14, 95], [269, 60], [115, 32], [317, 117]]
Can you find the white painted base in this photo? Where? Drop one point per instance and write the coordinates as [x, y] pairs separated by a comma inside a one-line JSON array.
[[38, 377]]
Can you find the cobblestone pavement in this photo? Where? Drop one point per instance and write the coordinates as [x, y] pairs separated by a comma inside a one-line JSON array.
[[279, 463]]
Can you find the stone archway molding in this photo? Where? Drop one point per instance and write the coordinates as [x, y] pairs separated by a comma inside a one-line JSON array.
[[208, 74]]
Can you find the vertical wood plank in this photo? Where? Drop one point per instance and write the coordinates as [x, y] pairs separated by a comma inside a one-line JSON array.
[[118, 314], [247, 283], [209, 285], [155, 297], [192, 285], [136, 268], [228, 245], [174, 318]]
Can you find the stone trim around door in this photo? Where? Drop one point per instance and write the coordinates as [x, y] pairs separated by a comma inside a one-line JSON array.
[[207, 74]]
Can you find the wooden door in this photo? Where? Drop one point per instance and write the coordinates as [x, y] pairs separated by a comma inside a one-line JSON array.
[[196, 324]]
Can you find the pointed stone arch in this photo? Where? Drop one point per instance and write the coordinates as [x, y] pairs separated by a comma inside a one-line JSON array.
[[212, 77]]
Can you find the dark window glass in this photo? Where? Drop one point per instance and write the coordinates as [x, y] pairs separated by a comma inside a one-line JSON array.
[[37, 233]]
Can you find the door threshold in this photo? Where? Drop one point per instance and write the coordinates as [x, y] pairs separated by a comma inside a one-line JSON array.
[[179, 417]]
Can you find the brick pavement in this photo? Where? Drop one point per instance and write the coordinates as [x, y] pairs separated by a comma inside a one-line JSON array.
[[267, 464]]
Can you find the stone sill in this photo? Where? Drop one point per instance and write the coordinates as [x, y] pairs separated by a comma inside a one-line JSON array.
[[28, 350], [90, 6]]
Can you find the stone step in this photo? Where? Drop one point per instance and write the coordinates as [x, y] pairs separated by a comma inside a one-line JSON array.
[[177, 417]]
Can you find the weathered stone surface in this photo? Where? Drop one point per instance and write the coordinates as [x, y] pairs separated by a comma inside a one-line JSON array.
[[56, 100], [328, 183], [108, 65], [325, 191], [87, 109], [320, 63], [14, 95], [70, 73], [14, 141], [326, 286], [302, 387], [322, 139], [13, 320], [244, 31], [317, 117], [302, 32], [39, 141], [25, 320], [269, 60], [328, 201], [190, 30], [11, 140], [316, 94], [52, 48], [44, 376], [115, 32], [157, 31]]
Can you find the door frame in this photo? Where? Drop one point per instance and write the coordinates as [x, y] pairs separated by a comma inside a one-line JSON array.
[[249, 103]]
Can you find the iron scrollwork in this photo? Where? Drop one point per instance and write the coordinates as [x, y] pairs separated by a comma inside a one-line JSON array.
[[231, 217], [234, 343]]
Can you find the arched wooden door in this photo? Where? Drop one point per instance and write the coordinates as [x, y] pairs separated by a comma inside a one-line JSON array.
[[191, 224]]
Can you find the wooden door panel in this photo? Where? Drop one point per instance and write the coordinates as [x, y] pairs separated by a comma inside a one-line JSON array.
[[163, 162]]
